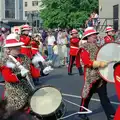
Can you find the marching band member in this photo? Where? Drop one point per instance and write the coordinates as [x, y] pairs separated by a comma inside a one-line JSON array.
[[25, 38], [38, 60], [34, 46], [17, 31], [74, 48], [109, 38], [117, 85], [17, 88], [93, 82]]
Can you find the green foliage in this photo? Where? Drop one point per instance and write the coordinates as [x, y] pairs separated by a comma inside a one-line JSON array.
[[66, 13]]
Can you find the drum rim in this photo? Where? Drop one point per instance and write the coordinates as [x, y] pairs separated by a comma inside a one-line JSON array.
[[96, 59], [33, 94]]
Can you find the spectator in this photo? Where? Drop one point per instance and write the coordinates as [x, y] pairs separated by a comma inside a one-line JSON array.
[[59, 42], [96, 20], [44, 36], [118, 36], [50, 43], [64, 48], [1, 40], [55, 55], [90, 22]]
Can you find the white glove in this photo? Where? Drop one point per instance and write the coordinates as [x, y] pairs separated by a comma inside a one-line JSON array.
[[24, 72], [47, 70], [37, 58], [10, 64], [50, 68]]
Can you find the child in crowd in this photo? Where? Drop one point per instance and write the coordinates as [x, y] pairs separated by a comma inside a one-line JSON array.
[[55, 58]]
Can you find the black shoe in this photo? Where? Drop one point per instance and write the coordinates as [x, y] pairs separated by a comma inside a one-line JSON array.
[[81, 74], [111, 117], [81, 117], [70, 74], [81, 71]]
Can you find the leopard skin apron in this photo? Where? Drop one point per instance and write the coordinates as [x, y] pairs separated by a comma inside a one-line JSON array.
[[91, 73], [17, 94]]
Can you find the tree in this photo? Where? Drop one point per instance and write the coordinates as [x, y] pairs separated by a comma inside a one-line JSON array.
[[66, 13]]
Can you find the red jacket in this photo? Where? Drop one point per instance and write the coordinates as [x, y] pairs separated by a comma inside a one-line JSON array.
[[9, 76], [85, 56], [26, 48], [74, 46], [108, 39], [117, 85], [34, 47]]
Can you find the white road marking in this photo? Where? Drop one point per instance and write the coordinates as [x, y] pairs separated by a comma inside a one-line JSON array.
[[93, 99]]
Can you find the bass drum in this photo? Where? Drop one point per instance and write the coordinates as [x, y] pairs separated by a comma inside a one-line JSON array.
[[47, 104], [109, 53]]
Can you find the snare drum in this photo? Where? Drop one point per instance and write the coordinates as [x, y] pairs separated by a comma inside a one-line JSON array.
[[46, 102]]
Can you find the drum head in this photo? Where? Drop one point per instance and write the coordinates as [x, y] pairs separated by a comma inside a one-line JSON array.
[[45, 100], [108, 52]]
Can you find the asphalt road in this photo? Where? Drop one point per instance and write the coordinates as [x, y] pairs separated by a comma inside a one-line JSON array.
[[71, 87]]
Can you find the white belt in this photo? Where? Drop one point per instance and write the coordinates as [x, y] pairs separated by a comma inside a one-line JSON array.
[[74, 47], [35, 48], [26, 46]]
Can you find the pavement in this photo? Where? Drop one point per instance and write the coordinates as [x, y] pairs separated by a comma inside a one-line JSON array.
[[71, 87]]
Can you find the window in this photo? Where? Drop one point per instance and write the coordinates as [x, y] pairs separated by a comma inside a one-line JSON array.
[[9, 8], [9, 14], [26, 4], [34, 3]]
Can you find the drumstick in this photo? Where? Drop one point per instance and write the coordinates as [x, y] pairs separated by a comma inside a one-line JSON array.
[[111, 61]]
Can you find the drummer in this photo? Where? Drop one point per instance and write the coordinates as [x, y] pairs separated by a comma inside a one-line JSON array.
[[93, 82], [109, 37], [117, 85], [17, 88]]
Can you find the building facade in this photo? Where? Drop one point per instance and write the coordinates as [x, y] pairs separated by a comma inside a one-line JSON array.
[[109, 12], [31, 12], [11, 12]]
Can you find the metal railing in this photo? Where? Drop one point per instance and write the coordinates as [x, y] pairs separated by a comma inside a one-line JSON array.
[[104, 22]]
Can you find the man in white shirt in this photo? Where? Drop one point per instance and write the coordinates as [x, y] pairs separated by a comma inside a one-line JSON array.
[[50, 43], [96, 20]]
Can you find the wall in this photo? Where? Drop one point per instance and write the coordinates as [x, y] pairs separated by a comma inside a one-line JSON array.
[[107, 9], [21, 9], [2, 10], [29, 7]]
